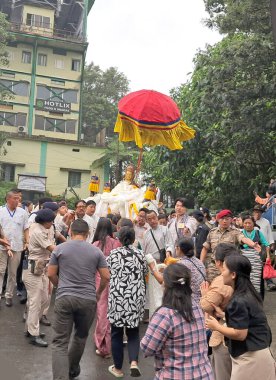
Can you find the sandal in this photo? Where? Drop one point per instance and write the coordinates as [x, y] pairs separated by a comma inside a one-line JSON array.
[[107, 356], [111, 370], [135, 371]]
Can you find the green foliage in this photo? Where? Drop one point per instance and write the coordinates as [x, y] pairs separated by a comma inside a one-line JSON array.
[[230, 101], [230, 16], [117, 156], [4, 188], [102, 91]]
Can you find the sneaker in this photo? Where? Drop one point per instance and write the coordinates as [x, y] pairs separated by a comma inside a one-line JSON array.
[[9, 302], [271, 287], [44, 321]]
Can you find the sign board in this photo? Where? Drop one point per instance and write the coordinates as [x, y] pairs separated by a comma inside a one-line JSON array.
[[53, 106], [31, 182]]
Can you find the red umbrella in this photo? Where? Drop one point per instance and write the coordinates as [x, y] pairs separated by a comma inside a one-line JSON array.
[[152, 118]]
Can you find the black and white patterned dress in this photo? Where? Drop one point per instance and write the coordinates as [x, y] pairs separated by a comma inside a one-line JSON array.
[[126, 301]]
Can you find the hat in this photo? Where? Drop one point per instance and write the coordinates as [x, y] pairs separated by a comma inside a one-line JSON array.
[[197, 214], [44, 216], [258, 207], [205, 210], [224, 213], [51, 205]]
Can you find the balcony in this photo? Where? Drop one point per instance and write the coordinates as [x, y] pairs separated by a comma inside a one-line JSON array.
[[47, 31]]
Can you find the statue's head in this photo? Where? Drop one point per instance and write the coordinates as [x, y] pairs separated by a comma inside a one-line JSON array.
[[130, 173]]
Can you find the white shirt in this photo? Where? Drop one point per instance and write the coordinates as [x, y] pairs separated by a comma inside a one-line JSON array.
[[176, 227], [265, 228], [92, 223], [14, 223], [163, 238]]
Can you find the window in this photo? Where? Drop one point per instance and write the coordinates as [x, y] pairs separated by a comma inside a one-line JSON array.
[[7, 172], [59, 51], [13, 119], [21, 88], [70, 126], [75, 65], [39, 122], [42, 59], [26, 57], [70, 96], [43, 92], [38, 21], [57, 94], [17, 88], [59, 64], [55, 125], [74, 179]]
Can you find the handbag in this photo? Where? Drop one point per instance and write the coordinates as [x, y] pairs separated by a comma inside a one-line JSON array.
[[161, 251], [269, 271]]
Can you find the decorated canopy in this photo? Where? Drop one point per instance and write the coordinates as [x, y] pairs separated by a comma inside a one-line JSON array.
[[151, 118]]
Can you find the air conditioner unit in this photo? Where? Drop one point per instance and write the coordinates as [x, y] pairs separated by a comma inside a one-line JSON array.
[[22, 129]]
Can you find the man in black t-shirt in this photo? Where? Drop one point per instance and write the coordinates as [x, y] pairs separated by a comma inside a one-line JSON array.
[[201, 232]]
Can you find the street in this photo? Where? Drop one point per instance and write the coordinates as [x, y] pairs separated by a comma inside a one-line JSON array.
[[21, 361]]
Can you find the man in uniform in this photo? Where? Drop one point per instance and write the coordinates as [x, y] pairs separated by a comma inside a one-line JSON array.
[[224, 233]]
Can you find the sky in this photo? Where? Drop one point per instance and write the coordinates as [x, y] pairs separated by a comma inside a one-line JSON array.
[[153, 42]]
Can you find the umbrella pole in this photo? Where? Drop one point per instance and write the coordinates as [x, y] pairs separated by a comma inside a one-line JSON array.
[[139, 162]]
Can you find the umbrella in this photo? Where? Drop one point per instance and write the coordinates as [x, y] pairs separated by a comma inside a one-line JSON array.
[[151, 118]]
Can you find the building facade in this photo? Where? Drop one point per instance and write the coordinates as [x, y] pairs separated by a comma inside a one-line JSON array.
[[42, 117]]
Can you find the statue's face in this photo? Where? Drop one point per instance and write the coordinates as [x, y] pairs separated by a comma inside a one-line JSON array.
[[128, 175]]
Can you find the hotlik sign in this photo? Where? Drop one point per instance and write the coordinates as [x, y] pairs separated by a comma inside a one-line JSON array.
[[53, 106]]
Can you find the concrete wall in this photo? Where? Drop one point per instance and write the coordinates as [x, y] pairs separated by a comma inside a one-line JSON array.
[[54, 160]]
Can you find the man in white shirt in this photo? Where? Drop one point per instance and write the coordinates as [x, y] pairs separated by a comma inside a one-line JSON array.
[[183, 225], [91, 211], [263, 223], [140, 225], [80, 213], [162, 236], [14, 222]]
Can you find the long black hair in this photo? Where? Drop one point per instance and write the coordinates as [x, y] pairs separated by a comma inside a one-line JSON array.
[[104, 229], [240, 265], [186, 246], [178, 292]]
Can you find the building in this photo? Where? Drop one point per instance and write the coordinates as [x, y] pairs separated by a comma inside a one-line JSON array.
[[42, 119]]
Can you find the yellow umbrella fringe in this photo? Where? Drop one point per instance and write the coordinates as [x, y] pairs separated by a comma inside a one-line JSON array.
[[170, 137]]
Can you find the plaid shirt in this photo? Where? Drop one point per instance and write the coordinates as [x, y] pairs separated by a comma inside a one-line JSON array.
[[179, 347]]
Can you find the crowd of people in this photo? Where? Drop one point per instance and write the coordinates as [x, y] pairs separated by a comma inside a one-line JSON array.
[[194, 278]]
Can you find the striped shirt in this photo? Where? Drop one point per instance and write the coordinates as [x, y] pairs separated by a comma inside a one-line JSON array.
[[179, 347]]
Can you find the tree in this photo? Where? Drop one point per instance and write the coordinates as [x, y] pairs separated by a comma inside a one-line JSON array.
[[230, 101], [102, 91], [117, 156]]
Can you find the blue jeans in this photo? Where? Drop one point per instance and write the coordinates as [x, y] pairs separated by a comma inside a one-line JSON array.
[[117, 347]]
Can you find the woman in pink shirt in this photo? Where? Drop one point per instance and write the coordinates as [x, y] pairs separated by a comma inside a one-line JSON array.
[[103, 239]]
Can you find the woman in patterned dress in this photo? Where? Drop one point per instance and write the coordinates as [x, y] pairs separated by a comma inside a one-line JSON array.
[[126, 302]]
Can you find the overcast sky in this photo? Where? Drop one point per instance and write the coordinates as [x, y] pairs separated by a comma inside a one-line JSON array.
[[152, 42]]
